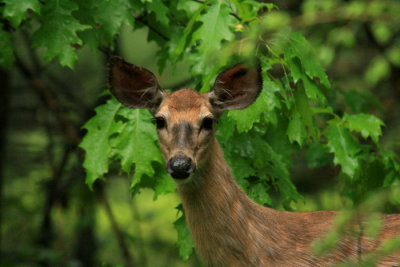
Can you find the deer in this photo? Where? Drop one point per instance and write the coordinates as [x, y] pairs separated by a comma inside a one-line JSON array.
[[227, 227]]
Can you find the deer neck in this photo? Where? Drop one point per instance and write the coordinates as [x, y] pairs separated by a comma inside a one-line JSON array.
[[223, 220], [213, 188]]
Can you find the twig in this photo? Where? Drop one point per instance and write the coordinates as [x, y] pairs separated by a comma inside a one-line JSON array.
[[53, 193], [143, 21], [49, 101], [236, 16]]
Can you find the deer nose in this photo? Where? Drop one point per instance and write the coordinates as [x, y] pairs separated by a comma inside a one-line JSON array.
[[180, 166]]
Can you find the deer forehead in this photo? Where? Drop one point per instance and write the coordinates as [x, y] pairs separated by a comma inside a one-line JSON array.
[[185, 105]]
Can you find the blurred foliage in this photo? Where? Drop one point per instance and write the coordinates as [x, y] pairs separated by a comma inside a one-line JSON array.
[[322, 135]]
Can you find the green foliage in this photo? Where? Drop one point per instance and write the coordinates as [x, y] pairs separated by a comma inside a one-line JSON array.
[[106, 19], [137, 135], [246, 118], [215, 28], [109, 138], [160, 11], [16, 11], [345, 148], [367, 125], [297, 111], [96, 142], [304, 65], [184, 239], [58, 32]]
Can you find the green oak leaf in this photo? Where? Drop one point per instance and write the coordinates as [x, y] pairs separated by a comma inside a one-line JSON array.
[[16, 10], [248, 9], [302, 108], [186, 32], [258, 192], [137, 143], [184, 238], [161, 183], [250, 155], [58, 32], [299, 47], [298, 73], [225, 128], [6, 49], [242, 167], [96, 141], [112, 15], [237, 158], [276, 137], [270, 88], [246, 118], [164, 183], [304, 65], [215, 28], [344, 147], [160, 10], [366, 124], [276, 169], [106, 19], [301, 124], [296, 130]]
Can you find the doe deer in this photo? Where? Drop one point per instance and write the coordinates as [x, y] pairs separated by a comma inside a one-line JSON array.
[[227, 227]]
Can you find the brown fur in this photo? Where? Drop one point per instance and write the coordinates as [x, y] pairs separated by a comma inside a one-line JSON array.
[[229, 229]]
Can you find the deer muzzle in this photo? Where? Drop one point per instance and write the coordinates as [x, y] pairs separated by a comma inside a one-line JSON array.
[[180, 166]]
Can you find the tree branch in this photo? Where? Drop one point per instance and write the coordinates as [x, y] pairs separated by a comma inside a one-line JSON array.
[[48, 99], [144, 22]]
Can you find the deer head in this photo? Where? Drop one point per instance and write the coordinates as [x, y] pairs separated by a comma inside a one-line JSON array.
[[185, 119]]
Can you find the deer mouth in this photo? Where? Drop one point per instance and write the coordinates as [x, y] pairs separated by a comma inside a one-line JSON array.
[[180, 167]]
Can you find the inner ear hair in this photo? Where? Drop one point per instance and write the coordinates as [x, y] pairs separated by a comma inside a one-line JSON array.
[[236, 87], [133, 86]]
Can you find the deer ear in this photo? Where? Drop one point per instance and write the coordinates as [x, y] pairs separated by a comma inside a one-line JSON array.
[[133, 86], [236, 87]]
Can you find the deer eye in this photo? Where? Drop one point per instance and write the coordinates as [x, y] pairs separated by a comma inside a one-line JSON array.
[[160, 122], [207, 123]]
